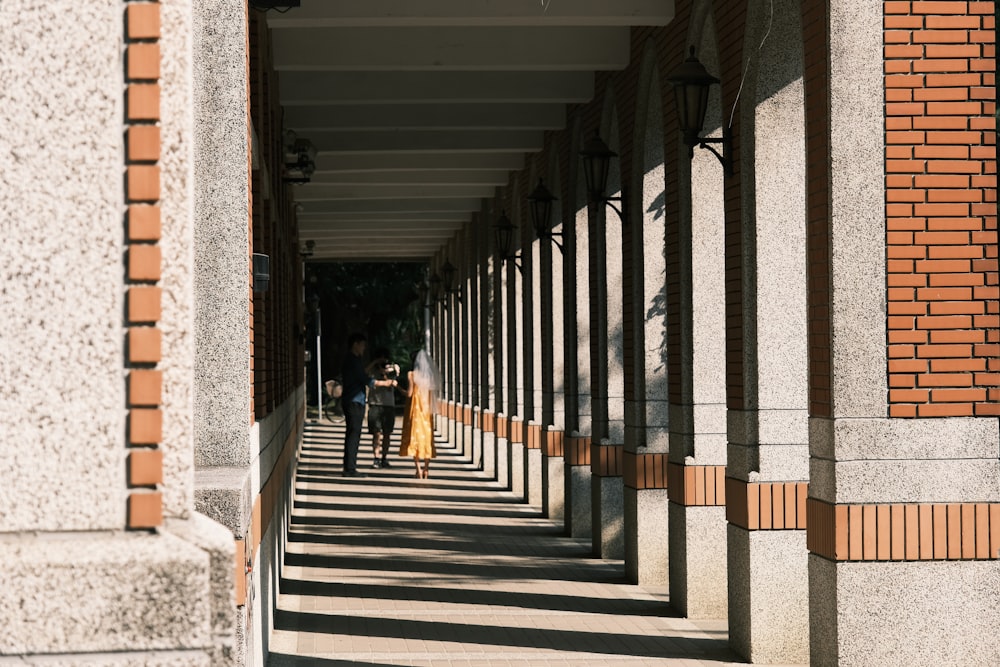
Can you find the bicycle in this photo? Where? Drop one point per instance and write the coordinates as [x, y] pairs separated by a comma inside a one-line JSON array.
[[333, 409]]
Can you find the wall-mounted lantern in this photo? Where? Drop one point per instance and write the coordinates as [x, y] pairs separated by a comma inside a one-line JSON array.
[[596, 166], [691, 83], [540, 204], [505, 233]]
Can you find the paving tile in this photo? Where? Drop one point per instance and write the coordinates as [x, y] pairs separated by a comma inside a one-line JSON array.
[[453, 571]]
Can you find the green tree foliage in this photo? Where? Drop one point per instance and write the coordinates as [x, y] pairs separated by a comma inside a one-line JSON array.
[[377, 299]]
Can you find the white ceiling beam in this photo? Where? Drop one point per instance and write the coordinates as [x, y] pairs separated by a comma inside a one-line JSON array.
[[386, 13], [336, 192], [332, 162], [395, 206], [428, 219], [438, 177], [325, 88], [455, 141], [456, 49], [316, 231], [303, 119]]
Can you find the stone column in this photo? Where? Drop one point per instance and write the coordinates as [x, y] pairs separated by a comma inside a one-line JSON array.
[[696, 469], [98, 492], [553, 369], [647, 434], [768, 462], [579, 417], [904, 490], [607, 353]]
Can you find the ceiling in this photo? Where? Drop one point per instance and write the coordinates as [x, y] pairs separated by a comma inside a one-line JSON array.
[[418, 109]]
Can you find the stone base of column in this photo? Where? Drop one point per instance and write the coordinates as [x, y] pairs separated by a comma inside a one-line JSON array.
[[577, 485], [768, 595], [912, 614], [533, 476], [490, 454], [518, 469], [188, 620], [503, 462], [608, 522], [553, 475], [646, 536], [607, 500], [468, 444], [698, 560]]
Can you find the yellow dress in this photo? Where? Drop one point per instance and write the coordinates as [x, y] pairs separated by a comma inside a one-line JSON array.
[[418, 432]]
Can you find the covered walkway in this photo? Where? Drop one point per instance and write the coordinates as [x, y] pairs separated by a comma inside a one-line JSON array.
[[454, 570]]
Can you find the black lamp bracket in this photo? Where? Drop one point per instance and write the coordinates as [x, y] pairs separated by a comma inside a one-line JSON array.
[[726, 156], [609, 202], [551, 235], [514, 259]]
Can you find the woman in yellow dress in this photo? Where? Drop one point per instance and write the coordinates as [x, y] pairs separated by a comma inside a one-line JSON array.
[[418, 424]]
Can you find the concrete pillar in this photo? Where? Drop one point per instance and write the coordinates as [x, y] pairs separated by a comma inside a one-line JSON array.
[[900, 570], [503, 450], [579, 404], [99, 497], [579, 509], [768, 436], [533, 464], [696, 468], [516, 451], [647, 434], [553, 474], [607, 353], [553, 364]]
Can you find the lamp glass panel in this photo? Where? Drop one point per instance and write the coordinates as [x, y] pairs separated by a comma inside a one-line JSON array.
[[505, 240]]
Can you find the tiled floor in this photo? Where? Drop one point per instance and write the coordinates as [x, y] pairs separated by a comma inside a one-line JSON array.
[[452, 571]]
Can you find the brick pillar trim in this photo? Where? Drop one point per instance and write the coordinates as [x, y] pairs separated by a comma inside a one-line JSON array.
[[696, 486], [578, 450], [553, 444], [644, 471], [766, 505], [502, 426], [606, 460], [533, 436], [143, 297], [516, 430], [487, 421], [904, 532]]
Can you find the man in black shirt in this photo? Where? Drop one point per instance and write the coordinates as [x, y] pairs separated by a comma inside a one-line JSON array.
[[357, 379]]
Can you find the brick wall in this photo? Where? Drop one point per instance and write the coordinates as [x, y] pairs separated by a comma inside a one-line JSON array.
[[276, 362], [941, 241], [816, 81]]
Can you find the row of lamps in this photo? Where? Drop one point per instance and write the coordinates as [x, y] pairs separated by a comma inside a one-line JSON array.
[[692, 83]]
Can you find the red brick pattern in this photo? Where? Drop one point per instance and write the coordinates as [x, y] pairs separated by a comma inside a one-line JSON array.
[[503, 426], [577, 451], [904, 532], [696, 486], [941, 233], [276, 315], [553, 444], [516, 427], [143, 297], [533, 436], [606, 460], [766, 505], [644, 471]]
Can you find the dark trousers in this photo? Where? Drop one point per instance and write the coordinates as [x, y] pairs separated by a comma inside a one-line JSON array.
[[354, 416]]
